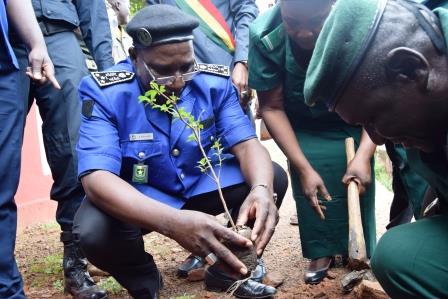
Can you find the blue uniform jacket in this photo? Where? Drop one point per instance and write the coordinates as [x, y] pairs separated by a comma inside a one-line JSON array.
[[121, 133], [90, 16], [8, 60], [238, 15]]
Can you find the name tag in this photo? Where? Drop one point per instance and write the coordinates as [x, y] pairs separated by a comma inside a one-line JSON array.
[[141, 137]]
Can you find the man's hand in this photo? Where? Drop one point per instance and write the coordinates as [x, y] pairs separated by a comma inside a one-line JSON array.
[[312, 183], [259, 205], [202, 234], [41, 68], [359, 170], [240, 77]]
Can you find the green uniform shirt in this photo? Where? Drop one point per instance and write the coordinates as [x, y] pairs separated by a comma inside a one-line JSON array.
[[272, 63]]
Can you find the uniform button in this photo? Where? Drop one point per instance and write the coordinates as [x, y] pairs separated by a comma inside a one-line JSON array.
[[182, 176], [141, 155], [212, 138], [175, 152], [49, 12]]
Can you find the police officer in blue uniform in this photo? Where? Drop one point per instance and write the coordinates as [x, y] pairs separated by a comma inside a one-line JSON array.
[[12, 119], [60, 110], [238, 14], [139, 169]]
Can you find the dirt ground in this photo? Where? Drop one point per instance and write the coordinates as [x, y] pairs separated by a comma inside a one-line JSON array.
[[39, 255]]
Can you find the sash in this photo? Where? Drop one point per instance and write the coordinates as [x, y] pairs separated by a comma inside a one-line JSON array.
[[211, 22]]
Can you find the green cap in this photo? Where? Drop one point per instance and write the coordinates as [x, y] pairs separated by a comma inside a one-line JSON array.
[[340, 48]]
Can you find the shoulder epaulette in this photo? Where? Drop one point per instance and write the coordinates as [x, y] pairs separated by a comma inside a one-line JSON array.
[[104, 79], [216, 69], [274, 39]]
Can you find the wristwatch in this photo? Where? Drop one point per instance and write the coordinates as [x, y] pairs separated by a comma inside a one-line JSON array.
[[243, 62]]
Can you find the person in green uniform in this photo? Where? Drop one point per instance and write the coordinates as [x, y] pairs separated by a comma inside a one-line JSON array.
[[391, 76], [281, 44]]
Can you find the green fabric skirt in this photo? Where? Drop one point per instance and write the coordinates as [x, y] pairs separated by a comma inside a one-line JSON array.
[[325, 150]]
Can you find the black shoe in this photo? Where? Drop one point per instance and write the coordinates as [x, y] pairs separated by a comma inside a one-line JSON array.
[[192, 262], [315, 277], [77, 280], [260, 271], [216, 281]]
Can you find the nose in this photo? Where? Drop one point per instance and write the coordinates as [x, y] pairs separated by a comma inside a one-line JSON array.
[[177, 85]]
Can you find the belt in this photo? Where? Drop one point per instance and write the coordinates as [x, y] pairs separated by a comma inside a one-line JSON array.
[[49, 28]]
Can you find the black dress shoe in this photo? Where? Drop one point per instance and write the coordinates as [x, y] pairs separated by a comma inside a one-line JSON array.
[[260, 271], [192, 262], [217, 281], [315, 277]]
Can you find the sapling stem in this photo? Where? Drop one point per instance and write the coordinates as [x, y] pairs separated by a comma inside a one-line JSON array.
[[170, 107]]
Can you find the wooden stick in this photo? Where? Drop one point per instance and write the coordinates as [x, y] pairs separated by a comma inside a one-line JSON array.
[[356, 244]]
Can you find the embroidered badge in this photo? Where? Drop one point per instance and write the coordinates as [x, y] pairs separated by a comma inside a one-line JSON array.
[[104, 79], [140, 174], [216, 69]]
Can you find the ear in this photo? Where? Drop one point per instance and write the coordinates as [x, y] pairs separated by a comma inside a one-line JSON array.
[[133, 54], [405, 65]]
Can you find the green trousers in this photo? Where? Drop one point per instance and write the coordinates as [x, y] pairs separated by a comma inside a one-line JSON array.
[[411, 260], [325, 150]]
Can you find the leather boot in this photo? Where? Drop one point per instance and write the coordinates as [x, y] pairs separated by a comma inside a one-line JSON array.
[[77, 280]]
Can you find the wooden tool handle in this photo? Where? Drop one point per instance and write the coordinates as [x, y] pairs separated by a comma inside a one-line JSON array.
[[356, 243]]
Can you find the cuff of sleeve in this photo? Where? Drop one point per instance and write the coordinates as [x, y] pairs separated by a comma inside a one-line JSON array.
[[238, 135], [99, 162], [240, 56], [264, 84], [104, 64]]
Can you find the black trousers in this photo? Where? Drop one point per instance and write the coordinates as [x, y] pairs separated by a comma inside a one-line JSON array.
[[118, 247]]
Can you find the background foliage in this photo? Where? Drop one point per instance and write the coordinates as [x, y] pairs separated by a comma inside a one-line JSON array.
[[136, 5]]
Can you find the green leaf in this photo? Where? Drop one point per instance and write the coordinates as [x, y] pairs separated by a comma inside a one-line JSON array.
[[191, 137]]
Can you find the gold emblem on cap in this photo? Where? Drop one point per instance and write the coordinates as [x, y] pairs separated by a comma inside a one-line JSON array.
[[144, 37]]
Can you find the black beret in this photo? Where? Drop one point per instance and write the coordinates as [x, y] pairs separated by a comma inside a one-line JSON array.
[[160, 24]]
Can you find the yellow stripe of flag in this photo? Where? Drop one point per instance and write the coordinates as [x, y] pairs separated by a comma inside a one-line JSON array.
[[212, 22]]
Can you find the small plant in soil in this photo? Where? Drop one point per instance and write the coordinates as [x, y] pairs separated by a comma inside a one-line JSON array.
[[156, 97]]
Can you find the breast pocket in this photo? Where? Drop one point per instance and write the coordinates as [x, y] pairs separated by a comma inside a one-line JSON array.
[[147, 153], [208, 132]]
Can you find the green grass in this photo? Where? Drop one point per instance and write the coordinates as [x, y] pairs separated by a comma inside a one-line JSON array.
[[110, 285], [50, 225], [382, 176], [46, 270], [59, 285]]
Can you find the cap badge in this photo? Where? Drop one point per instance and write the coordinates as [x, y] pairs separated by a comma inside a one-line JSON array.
[[144, 37]]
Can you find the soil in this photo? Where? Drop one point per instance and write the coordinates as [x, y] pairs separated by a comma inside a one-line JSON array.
[[38, 246]]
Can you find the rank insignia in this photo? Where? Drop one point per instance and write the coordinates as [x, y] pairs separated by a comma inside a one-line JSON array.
[[104, 79], [216, 69], [140, 174]]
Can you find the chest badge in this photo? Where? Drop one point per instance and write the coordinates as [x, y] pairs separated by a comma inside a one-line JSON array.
[[140, 174]]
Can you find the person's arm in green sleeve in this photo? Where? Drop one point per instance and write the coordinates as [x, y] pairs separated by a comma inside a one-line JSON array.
[[359, 168], [274, 116]]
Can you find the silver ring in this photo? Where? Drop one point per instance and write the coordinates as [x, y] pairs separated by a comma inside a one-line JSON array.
[[244, 92], [211, 258]]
